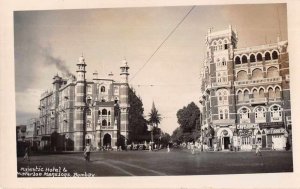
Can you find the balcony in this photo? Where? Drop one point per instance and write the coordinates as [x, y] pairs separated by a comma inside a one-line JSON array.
[[255, 101], [221, 84], [258, 81]]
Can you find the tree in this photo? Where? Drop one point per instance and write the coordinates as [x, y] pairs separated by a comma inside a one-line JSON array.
[[189, 117], [154, 116], [189, 124], [137, 123], [154, 120]]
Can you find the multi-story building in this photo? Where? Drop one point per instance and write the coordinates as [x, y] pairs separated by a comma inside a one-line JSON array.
[[77, 111], [245, 93]]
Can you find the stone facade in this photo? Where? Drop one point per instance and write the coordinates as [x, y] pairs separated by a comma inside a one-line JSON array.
[[77, 111], [245, 93]]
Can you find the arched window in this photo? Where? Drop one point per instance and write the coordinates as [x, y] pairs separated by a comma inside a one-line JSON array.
[[261, 93], [274, 55], [104, 122], [259, 57], [240, 96], [246, 95], [260, 114], [220, 46], [223, 113], [222, 96], [277, 92], [244, 115], [221, 116], [244, 59], [267, 56], [272, 72], [271, 93], [88, 112], [99, 112], [237, 60], [242, 75], [104, 112], [225, 44], [252, 58], [255, 94], [276, 113], [88, 100], [257, 74], [108, 112], [102, 89]]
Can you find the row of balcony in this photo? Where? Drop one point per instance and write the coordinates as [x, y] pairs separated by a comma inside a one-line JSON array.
[[258, 81], [256, 64], [255, 101]]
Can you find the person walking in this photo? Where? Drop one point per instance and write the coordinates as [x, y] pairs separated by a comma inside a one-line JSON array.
[[26, 156], [258, 150], [87, 152], [168, 148]]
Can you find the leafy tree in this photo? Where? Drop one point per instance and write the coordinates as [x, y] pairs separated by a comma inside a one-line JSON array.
[[189, 117], [189, 124], [137, 123]]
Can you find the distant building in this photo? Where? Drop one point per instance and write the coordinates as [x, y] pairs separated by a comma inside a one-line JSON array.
[[78, 111], [21, 132], [245, 93]]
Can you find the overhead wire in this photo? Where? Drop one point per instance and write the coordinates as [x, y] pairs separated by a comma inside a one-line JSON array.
[[168, 36]]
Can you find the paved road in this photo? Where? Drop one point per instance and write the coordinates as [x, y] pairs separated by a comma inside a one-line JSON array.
[[160, 163]]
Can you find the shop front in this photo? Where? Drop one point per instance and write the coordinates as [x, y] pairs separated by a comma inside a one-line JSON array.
[[276, 135], [246, 136]]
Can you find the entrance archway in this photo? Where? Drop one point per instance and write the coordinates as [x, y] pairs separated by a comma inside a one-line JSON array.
[[225, 136], [107, 140]]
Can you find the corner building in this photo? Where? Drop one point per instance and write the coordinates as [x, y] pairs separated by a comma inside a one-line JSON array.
[[245, 94], [77, 111]]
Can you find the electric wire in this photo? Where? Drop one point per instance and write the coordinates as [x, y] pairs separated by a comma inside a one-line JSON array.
[[168, 36]]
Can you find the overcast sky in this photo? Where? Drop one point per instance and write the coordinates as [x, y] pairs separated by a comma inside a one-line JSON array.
[[106, 36]]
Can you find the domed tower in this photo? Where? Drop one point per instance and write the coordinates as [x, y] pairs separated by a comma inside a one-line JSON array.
[[124, 105], [80, 105]]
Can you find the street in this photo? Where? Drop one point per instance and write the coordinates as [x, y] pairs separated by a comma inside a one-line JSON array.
[[159, 163]]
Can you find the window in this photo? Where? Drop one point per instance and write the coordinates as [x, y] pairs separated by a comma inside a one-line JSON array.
[[237, 60], [104, 122], [277, 92], [223, 62], [267, 56], [274, 55], [104, 112], [102, 89], [276, 113], [89, 100], [261, 93], [260, 114], [257, 74], [244, 115], [272, 72], [88, 112], [89, 89], [271, 93], [259, 57], [222, 97], [255, 94], [242, 75], [246, 95], [223, 112], [240, 96], [244, 59], [252, 58]]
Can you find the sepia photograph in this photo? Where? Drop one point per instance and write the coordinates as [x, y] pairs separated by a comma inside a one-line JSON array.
[[136, 91], [149, 95]]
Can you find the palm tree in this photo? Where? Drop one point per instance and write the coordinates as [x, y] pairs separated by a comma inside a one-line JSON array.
[[154, 119]]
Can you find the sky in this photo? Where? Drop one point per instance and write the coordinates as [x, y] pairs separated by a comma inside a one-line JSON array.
[[106, 36]]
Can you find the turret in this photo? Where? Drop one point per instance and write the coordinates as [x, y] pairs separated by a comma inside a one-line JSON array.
[[124, 71]]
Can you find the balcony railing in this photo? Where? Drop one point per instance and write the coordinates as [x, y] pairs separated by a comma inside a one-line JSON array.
[[259, 81], [258, 101], [221, 84]]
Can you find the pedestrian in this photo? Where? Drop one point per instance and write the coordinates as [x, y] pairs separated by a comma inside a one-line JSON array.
[[87, 152], [168, 148], [26, 156], [273, 146], [258, 150], [193, 149]]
